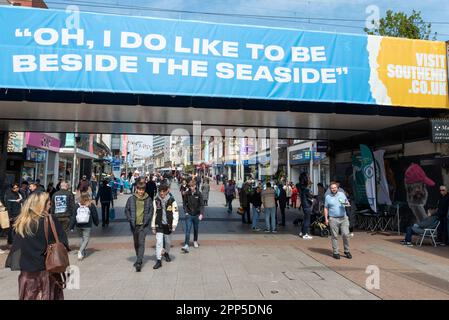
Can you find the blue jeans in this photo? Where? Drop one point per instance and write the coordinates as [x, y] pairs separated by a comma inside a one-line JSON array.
[[195, 220], [408, 234], [270, 213], [84, 234], [306, 222], [255, 217]]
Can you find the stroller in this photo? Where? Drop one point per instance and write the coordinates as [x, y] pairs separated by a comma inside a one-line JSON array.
[[319, 228]]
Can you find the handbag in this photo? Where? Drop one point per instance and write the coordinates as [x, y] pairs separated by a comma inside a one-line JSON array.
[[56, 256], [4, 220], [112, 214]]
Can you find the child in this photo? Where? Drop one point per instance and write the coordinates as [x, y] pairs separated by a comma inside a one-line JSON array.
[[84, 214], [164, 222]]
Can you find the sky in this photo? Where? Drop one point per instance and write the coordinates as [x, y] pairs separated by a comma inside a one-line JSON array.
[[142, 144], [348, 16]]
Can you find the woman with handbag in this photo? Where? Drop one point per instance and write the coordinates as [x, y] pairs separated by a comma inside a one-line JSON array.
[[35, 248]]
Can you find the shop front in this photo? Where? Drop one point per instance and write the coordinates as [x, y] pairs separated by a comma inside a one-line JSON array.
[[41, 158], [304, 157]]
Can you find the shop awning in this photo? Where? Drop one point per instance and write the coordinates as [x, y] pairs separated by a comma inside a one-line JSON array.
[[82, 154]]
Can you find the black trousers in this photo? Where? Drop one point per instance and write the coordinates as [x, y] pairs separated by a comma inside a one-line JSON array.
[[105, 207], [11, 232], [282, 215], [442, 230], [139, 242], [248, 214]]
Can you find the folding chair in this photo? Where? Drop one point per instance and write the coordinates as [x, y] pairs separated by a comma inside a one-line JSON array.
[[376, 222], [429, 233], [388, 218]]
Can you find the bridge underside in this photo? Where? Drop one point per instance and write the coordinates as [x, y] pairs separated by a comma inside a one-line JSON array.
[[57, 111]]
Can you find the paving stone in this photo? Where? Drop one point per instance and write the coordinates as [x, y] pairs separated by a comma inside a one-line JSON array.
[[245, 265]]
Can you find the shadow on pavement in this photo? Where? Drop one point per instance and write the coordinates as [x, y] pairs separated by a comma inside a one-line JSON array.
[[426, 247]]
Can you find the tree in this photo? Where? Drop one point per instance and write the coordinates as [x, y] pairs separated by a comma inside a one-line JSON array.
[[399, 24]]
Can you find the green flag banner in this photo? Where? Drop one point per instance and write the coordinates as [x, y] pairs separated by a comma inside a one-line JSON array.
[[369, 173], [358, 181]]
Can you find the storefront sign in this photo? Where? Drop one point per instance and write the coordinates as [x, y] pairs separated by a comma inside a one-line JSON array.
[[300, 156], [16, 141], [35, 155], [42, 141], [69, 140], [322, 146], [440, 130], [175, 57], [318, 156]]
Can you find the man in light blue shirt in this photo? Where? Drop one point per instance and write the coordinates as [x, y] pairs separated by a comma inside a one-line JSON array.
[[335, 216]]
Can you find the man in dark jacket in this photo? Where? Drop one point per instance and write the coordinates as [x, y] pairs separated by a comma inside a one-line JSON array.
[[83, 185], [151, 187], [106, 199], [13, 203], [306, 204], [184, 189], [230, 194], [24, 189], [256, 201], [194, 213], [40, 187], [62, 205], [282, 200], [35, 187], [443, 208], [245, 202], [138, 210]]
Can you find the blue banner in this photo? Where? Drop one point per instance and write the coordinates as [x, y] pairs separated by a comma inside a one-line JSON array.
[[55, 50]]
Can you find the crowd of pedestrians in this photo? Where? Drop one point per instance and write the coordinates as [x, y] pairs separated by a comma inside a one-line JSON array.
[[151, 207]]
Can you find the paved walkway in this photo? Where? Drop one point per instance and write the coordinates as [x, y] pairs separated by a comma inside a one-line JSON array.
[[235, 263]]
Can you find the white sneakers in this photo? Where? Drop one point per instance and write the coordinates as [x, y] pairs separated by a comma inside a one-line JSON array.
[[80, 255], [185, 248], [195, 244], [307, 237]]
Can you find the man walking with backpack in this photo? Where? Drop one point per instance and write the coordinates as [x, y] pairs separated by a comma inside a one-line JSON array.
[[138, 210]]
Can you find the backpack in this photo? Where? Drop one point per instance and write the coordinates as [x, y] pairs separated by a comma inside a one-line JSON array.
[[82, 214]]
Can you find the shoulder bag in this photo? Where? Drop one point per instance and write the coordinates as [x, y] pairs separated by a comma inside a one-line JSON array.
[[56, 256]]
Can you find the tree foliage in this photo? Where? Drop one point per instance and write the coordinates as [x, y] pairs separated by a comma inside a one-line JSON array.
[[399, 24]]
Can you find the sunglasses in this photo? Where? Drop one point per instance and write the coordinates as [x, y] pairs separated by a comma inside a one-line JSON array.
[[442, 190]]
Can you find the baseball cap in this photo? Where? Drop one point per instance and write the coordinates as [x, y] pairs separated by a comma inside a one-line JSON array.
[[415, 174]]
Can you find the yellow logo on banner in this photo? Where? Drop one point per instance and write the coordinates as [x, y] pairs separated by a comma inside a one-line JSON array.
[[414, 72]]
